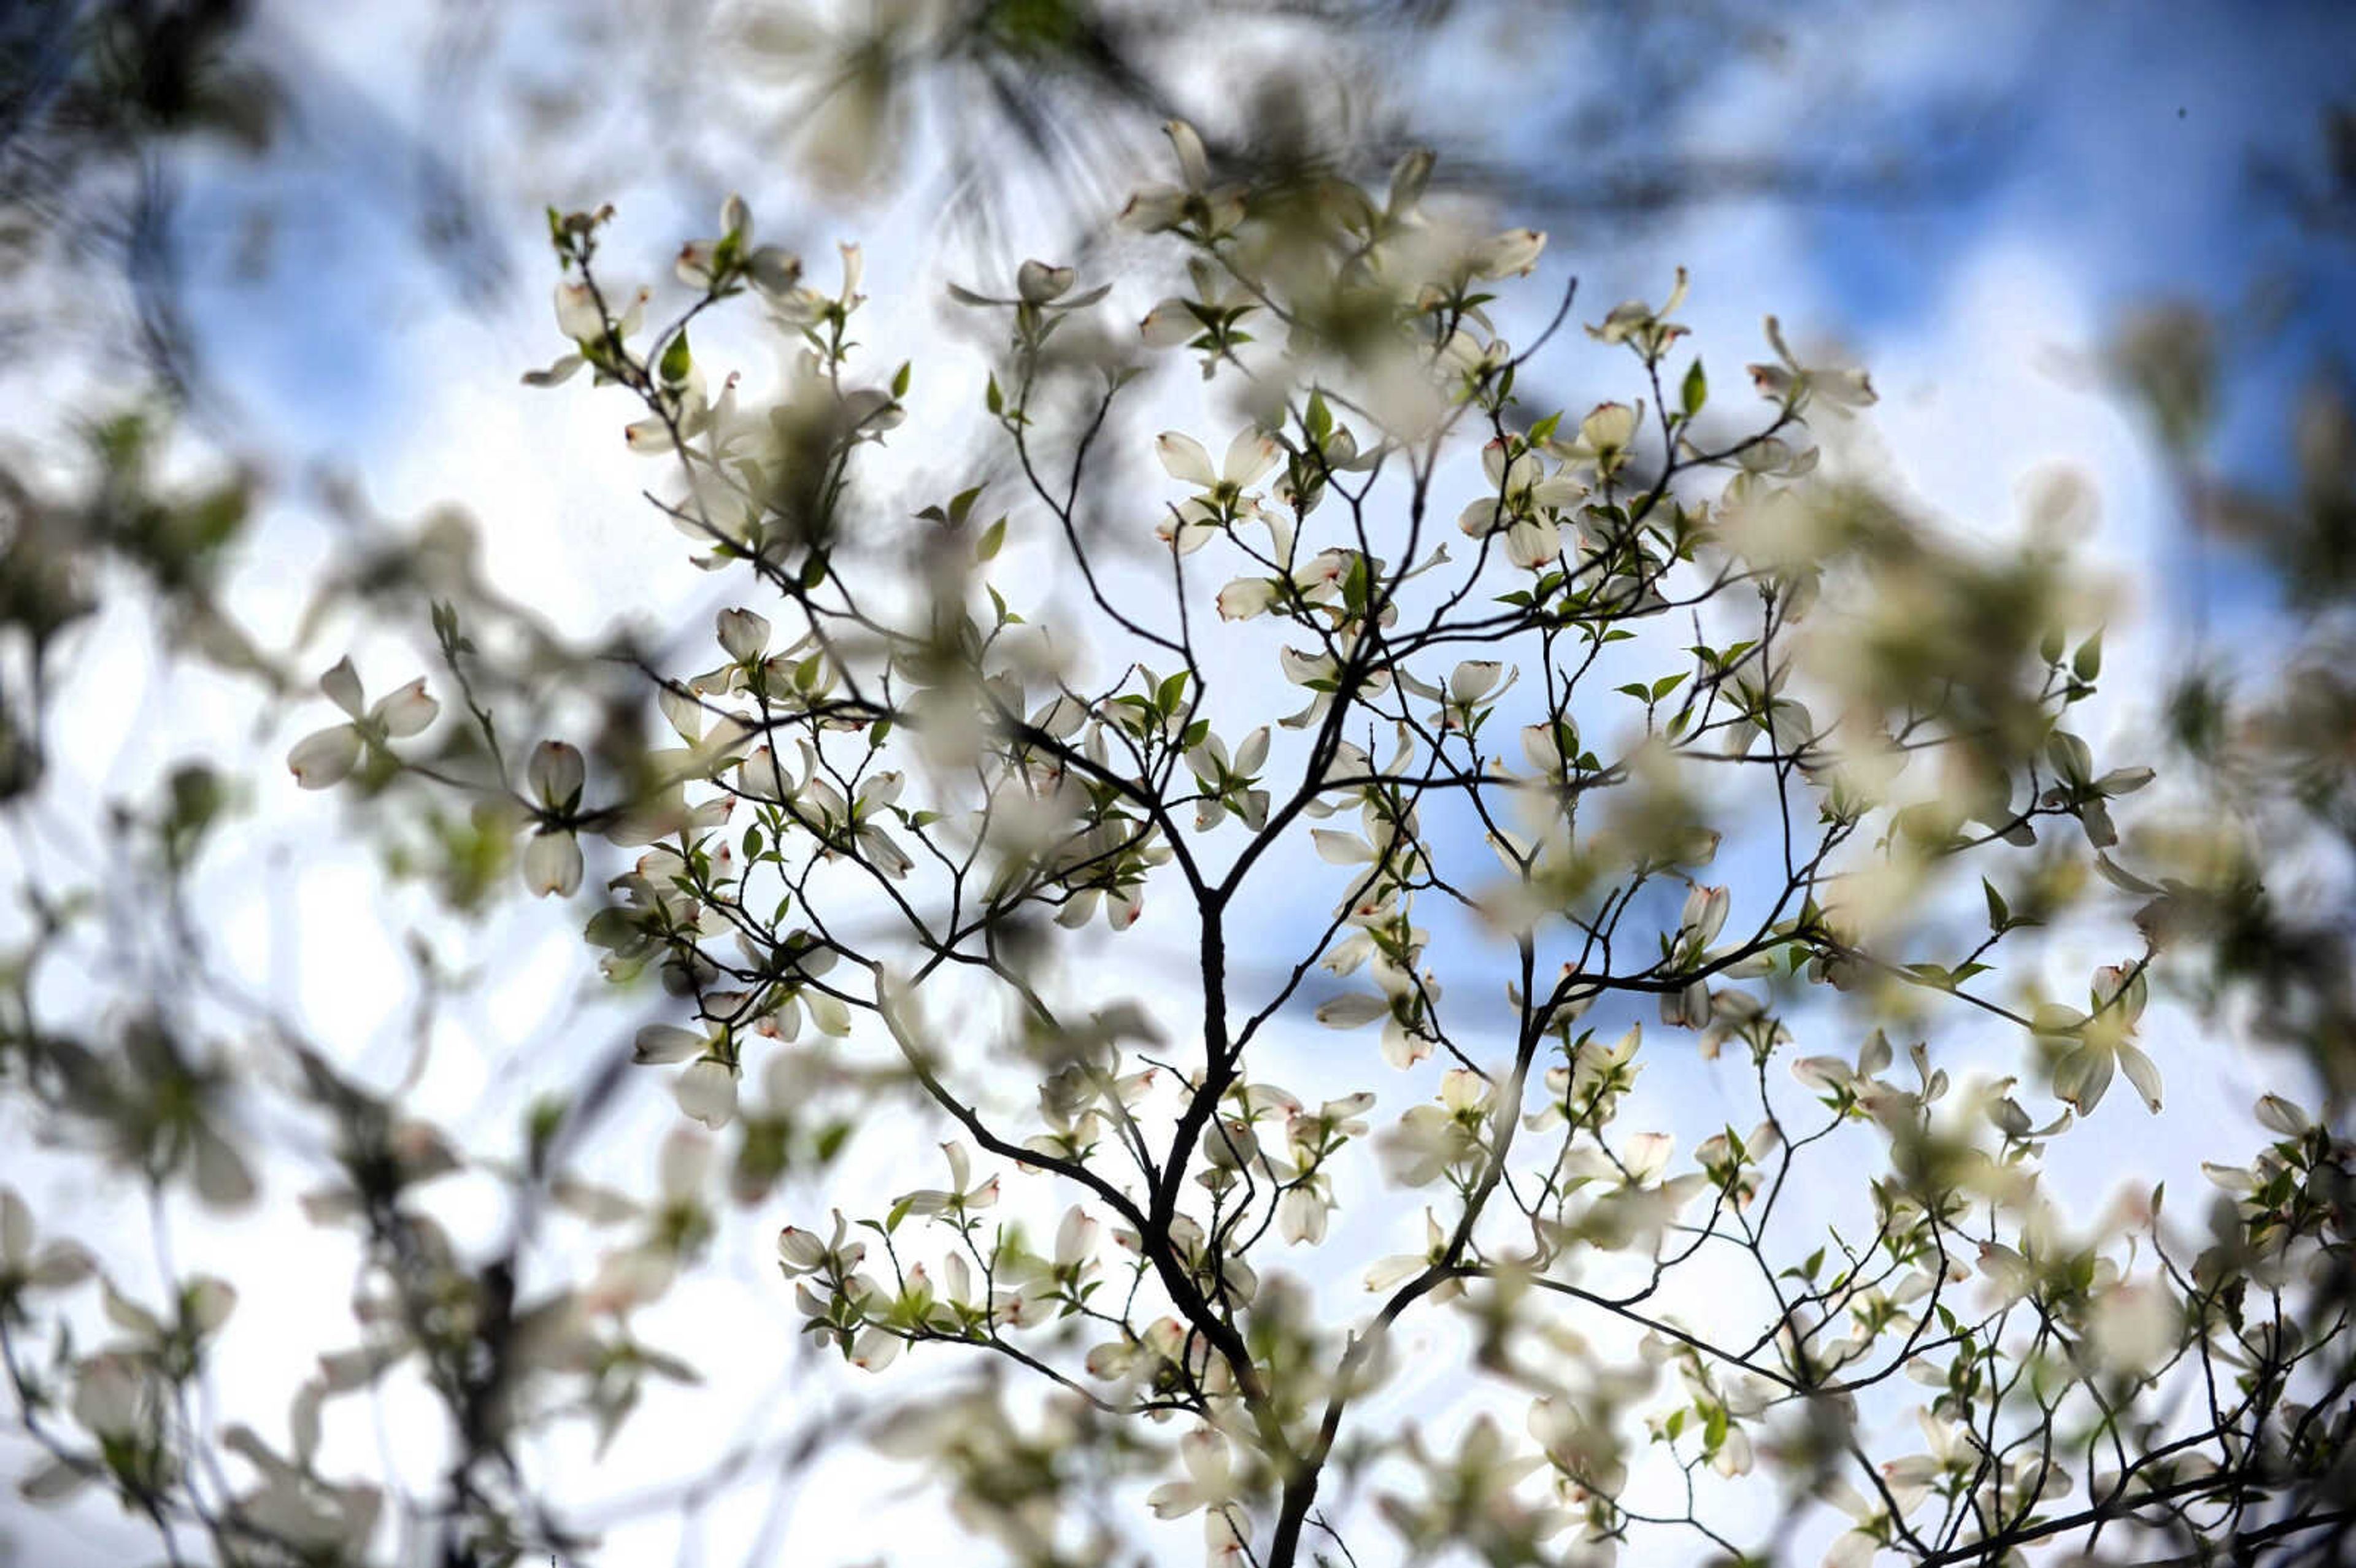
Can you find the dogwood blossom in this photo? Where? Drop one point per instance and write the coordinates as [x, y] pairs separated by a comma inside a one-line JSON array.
[[326, 757]]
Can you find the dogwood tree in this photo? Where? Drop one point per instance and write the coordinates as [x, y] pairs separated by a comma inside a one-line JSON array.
[[1677, 755]]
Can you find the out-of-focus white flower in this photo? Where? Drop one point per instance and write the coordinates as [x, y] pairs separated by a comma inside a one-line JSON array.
[[292, 1503], [58, 1266], [1606, 440], [1524, 505], [552, 855], [1789, 382], [2102, 1041], [707, 1090], [326, 757], [731, 256], [960, 1197], [1194, 203], [1648, 331], [2132, 1326], [1210, 1484], [1855, 1547], [1398, 1269], [581, 317], [1512, 254]]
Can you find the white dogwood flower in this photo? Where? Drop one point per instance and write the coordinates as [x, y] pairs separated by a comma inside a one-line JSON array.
[[326, 757]]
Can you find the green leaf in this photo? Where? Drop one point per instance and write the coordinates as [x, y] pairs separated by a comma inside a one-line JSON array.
[[1318, 422], [677, 362], [814, 568], [994, 398], [2088, 664], [1696, 391], [1165, 699], [991, 539], [1999, 914], [900, 381]]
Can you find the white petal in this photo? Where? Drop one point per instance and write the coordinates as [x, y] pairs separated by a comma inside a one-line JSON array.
[[1205, 1455], [1250, 455], [2142, 1072], [1038, 282], [707, 1092], [1169, 323], [406, 711], [1154, 209], [743, 634], [2082, 1076], [209, 1302], [1184, 459], [342, 684], [53, 1480], [1247, 597], [1648, 1153], [1341, 849], [1473, 679], [553, 864], [577, 316], [61, 1263], [326, 757], [1705, 913], [16, 1230], [2279, 1115], [1353, 1009], [555, 774], [1173, 1499], [1533, 545], [1516, 251], [1192, 165], [800, 1251], [667, 1042], [685, 1161], [648, 435], [223, 1179]]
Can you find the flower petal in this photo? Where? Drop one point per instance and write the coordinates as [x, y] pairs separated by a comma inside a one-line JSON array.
[[342, 684], [406, 711], [326, 757], [1184, 459], [553, 863]]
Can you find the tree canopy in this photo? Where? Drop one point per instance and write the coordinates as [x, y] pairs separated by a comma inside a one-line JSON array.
[[1498, 976]]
